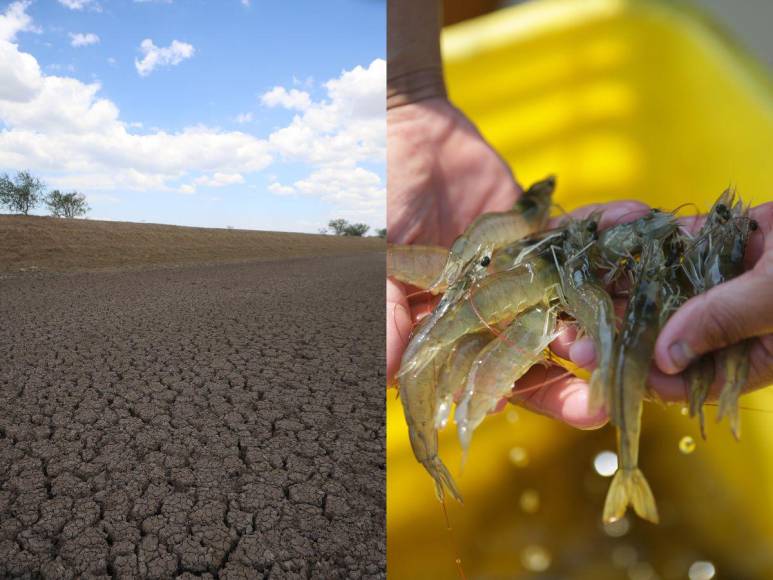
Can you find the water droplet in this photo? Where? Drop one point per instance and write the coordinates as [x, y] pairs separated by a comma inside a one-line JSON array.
[[605, 463], [529, 501], [535, 558], [642, 571], [624, 556], [684, 411], [687, 445], [618, 528], [701, 570], [512, 416], [519, 457]]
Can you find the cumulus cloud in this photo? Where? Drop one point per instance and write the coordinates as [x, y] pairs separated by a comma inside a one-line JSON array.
[[243, 118], [65, 130], [81, 39], [219, 179], [280, 189], [281, 97], [62, 127], [334, 135], [14, 20], [156, 56], [79, 4], [348, 126], [354, 188]]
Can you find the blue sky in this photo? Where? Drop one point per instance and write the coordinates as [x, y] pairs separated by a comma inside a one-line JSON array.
[[265, 115]]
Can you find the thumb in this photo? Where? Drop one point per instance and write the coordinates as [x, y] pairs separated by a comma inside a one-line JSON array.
[[726, 314], [398, 326]]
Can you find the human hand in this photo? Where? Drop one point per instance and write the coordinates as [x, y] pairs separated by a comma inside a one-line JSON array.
[[736, 310], [441, 174]]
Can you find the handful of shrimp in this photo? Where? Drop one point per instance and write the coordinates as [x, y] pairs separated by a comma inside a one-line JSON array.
[[505, 282]]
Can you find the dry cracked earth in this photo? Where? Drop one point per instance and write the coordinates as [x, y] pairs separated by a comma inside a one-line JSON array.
[[204, 422]]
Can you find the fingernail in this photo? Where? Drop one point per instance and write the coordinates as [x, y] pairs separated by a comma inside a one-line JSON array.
[[582, 352], [681, 355]]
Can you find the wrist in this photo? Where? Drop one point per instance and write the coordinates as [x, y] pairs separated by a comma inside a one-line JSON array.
[[414, 86]]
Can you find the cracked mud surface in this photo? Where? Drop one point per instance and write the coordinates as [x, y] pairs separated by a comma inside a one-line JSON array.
[[215, 422]]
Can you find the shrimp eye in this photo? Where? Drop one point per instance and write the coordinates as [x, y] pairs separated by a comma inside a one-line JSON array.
[[592, 226], [485, 261], [753, 225]]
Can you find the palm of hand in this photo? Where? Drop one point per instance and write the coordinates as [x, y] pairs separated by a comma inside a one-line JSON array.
[[441, 174]]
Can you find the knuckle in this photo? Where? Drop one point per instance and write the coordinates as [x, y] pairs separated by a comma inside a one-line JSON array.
[[718, 326]]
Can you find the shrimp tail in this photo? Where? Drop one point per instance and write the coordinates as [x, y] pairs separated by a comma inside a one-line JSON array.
[[629, 487], [443, 479], [736, 359], [728, 405], [699, 376]]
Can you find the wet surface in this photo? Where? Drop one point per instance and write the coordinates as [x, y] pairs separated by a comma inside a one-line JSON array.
[[215, 422]]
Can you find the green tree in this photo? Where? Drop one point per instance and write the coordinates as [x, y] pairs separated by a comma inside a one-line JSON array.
[[341, 227], [67, 205], [381, 233], [357, 230], [22, 193], [338, 226]]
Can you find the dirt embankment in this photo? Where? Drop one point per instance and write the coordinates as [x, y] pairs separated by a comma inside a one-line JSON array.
[[50, 244], [217, 422]]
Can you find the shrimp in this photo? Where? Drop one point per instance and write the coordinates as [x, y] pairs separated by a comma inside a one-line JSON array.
[[616, 245], [699, 376], [633, 356], [725, 261], [518, 252], [417, 393], [453, 375], [590, 304], [417, 265], [493, 230], [500, 364], [496, 298]]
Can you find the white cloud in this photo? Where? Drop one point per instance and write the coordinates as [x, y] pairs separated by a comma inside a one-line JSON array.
[[348, 126], [245, 3], [14, 20], [280, 189], [219, 179], [81, 39], [79, 4], [281, 97], [66, 131], [334, 135], [60, 126], [243, 118], [156, 56]]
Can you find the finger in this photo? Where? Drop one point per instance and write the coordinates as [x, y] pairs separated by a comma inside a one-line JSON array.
[[567, 334], [728, 313], [398, 326], [672, 388], [553, 392], [612, 213]]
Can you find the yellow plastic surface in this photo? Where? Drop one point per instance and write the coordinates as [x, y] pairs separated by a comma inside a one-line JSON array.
[[620, 99]]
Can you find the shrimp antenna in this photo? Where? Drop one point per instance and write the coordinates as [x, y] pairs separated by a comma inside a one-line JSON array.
[[685, 204]]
